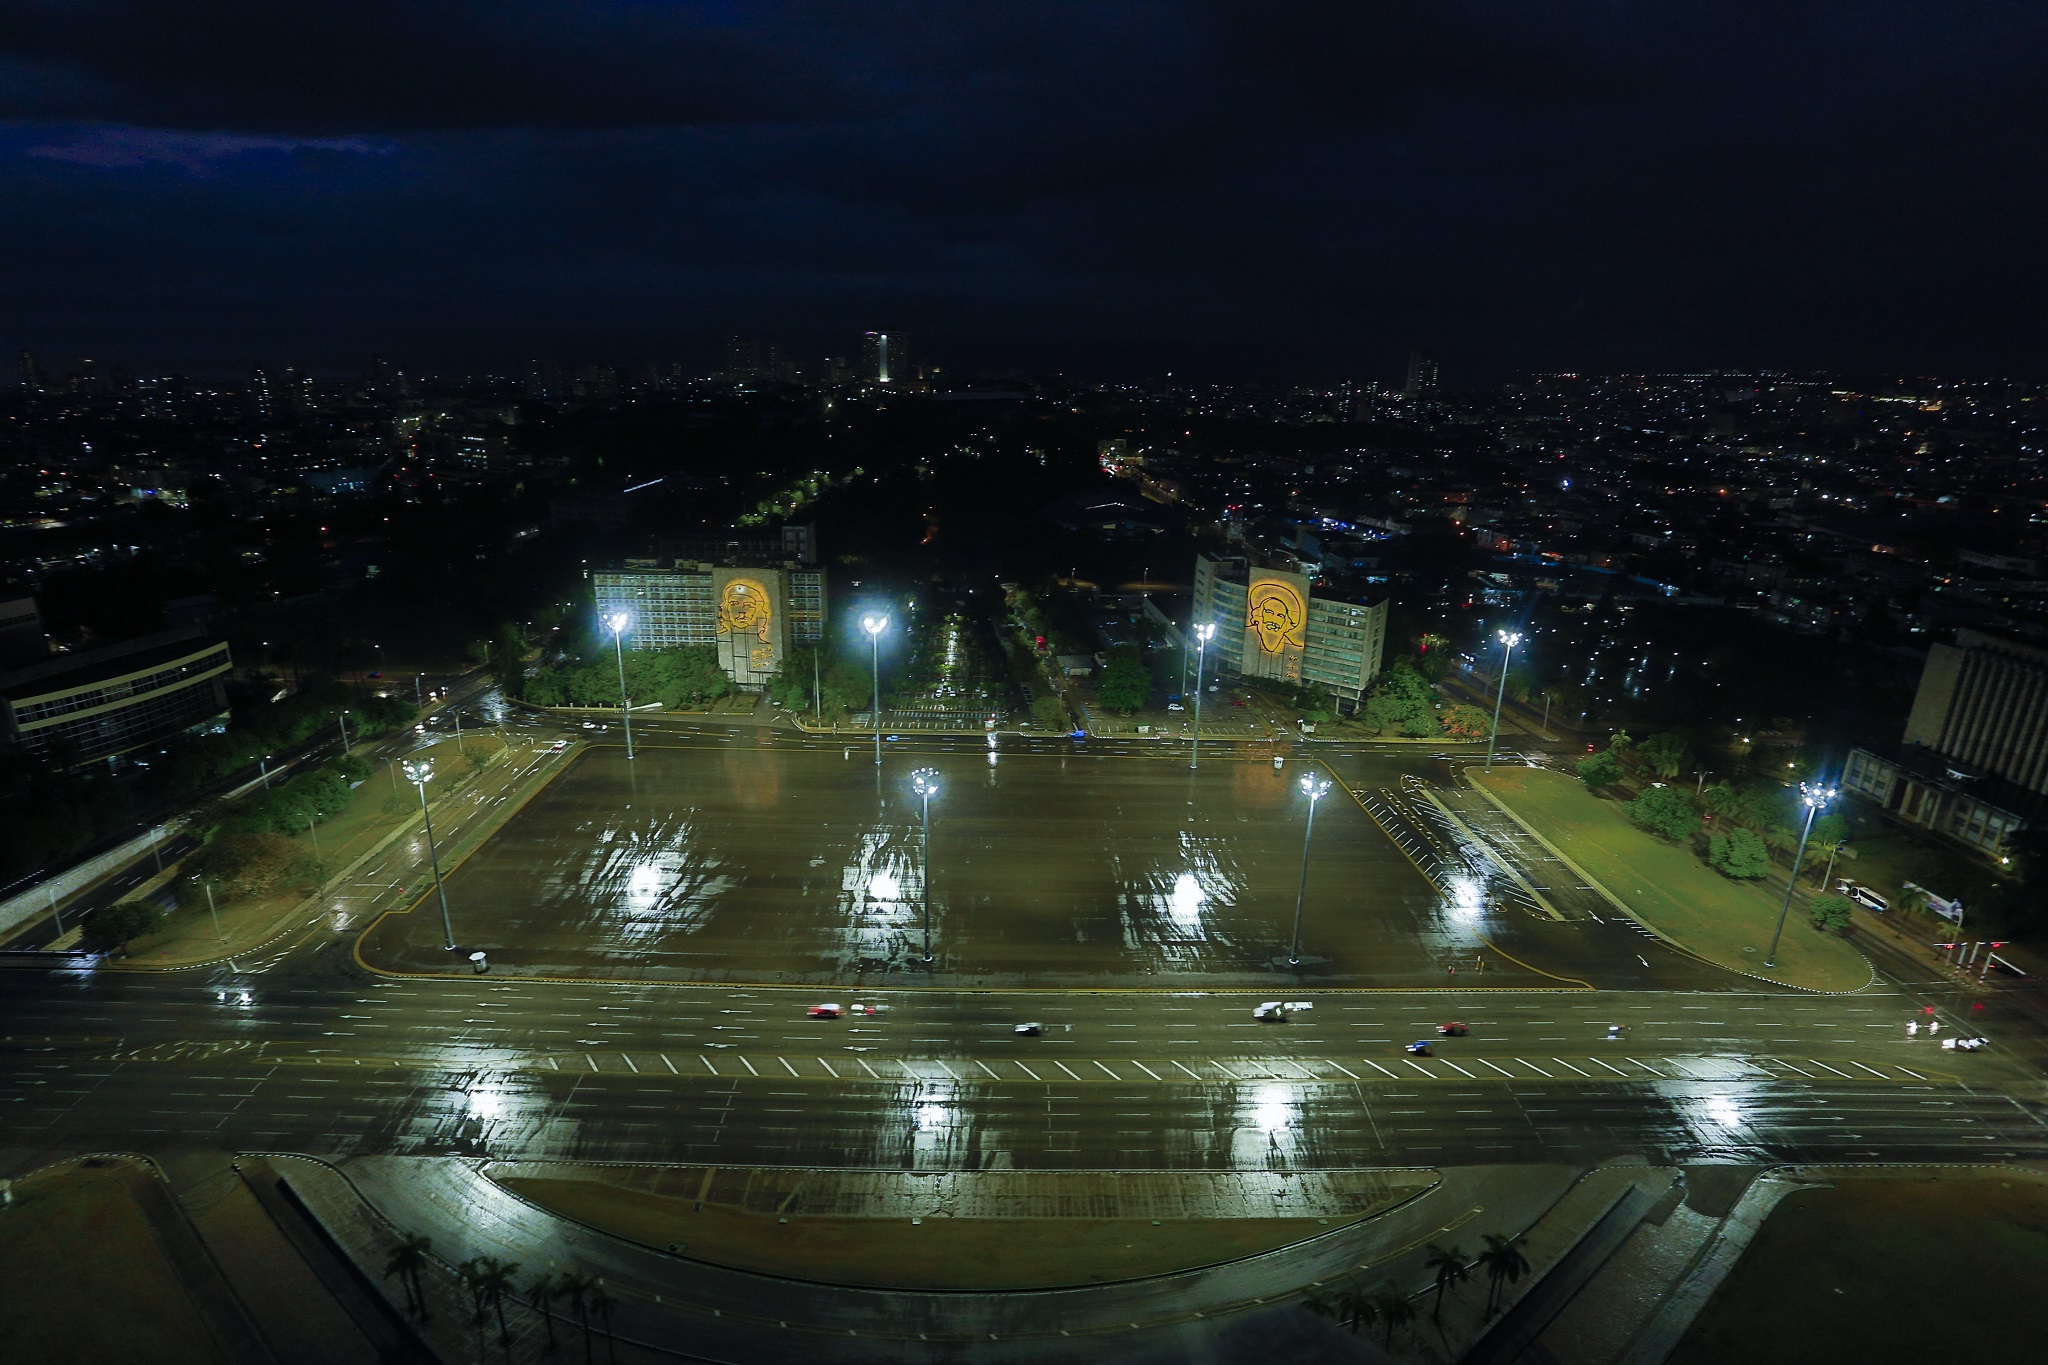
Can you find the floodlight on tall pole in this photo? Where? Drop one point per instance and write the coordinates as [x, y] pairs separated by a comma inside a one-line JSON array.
[[618, 621], [1813, 796], [874, 624], [1203, 634], [1508, 640], [1315, 789], [925, 782], [418, 771]]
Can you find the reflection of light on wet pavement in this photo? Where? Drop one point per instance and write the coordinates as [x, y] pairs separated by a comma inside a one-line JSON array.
[[930, 1116], [1722, 1110], [885, 886], [1268, 1126], [638, 885], [485, 1105], [1465, 898], [1168, 909]]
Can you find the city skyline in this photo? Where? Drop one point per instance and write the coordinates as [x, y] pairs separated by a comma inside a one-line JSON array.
[[1208, 189]]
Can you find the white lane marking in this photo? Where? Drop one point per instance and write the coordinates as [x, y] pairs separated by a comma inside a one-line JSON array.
[[1615, 1069], [1501, 1069], [1191, 1075], [1146, 1069], [1533, 1067], [1107, 1072], [985, 1067], [1645, 1066], [865, 1067], [707, 1064], [786, 1066], [1424, 1070], [1063, 1066], [828, 1068], [669, 1064], [1341, 1067], [1825, 1067], [1455, 1067], [748, 1065], [629, 1063], [1789, 1067], [1872, 1070], [592, 1060], [1027, 1071], [1377, 1067]]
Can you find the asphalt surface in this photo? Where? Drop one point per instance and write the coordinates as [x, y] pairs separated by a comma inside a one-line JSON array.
[[303, 1049]]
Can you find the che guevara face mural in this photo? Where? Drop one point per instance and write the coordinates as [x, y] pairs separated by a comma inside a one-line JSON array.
[[1277, 616]]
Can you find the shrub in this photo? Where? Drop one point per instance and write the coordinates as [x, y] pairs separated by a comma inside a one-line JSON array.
[[1831, 912], [1738, 853], [1666, 811], [116, 926], [1599, 770]]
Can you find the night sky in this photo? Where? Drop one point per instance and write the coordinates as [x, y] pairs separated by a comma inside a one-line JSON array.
[[1240, 190]]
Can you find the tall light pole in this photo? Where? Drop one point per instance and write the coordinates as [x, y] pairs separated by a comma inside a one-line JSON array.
[[1508, 640], [925, 782], [342, 721], [874, 624], [419, 771], [618, 621], [1203, 634], [1315, 789], [1813, 796]]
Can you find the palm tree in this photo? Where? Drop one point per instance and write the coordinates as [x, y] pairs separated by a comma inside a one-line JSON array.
[[601, 1304], [405, 1261], [1449, 1265], [1911, 898], [542, 1289], [1395, 1309], [1349, 1306], [575, 1286], [495, 1277], [1504, 1263], [472, 1273]]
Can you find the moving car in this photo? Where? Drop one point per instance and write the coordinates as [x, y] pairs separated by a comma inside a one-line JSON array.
[[1272, 1012], [1028, 1030], [823, 1011], [1420, 1048], [1454, 1029], [1965, 1044]]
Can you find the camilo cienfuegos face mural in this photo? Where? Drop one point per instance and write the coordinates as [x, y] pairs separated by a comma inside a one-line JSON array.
[[746, 617], [1276, 620]]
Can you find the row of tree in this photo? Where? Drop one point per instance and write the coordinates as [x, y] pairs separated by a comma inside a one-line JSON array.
[[1355, 1308], [687, 675], [490, 1281], [1404, 703], [1749, 820]]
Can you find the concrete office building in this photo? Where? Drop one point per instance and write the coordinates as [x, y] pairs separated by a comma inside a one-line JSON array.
[[750, 602], [97, 704], [1273, 625], [1973, 765]]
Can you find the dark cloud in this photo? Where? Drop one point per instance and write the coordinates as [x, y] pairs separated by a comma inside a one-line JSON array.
[[402, 66], [1312, 185]]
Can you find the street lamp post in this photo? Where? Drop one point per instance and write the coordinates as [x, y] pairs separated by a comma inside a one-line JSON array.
[[1813, 796], [618, 622], [925, 782], [1315, 789], [1508, 640], [874, 625], [342, 721], [419, 772], [1203, 634]]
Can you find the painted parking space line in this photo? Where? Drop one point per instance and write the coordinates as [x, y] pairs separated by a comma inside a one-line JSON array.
[[1533, 1067]]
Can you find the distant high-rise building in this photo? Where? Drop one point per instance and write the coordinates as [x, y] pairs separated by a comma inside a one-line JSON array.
[[1974, 764], [837, 371], [31, 372], [1273, 623], [885, 358], [1422, 375], [742, 357]]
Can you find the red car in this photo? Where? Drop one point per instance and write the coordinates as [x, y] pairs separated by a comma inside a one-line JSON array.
[[823, 1011], [1454, 1029]]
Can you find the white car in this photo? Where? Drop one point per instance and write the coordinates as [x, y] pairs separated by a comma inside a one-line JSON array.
[[1272, 1012]]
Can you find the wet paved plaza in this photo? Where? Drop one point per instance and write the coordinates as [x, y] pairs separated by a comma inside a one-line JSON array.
[[735, 862]]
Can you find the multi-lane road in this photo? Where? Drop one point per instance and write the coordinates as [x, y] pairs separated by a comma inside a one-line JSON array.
[[304, 1049]]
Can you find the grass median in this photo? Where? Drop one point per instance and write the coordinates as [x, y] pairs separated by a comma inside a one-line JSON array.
[[86, 1278], [935, 1252], [1668, 888], [384, 804]]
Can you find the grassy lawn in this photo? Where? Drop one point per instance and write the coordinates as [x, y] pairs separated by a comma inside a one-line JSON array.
[[86, 1280], [1881, 1271], [938, 1253], [1723, 921], [379, 806]]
